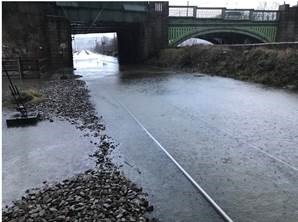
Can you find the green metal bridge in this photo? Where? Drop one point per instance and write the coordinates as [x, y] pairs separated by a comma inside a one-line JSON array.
[[207, 23]]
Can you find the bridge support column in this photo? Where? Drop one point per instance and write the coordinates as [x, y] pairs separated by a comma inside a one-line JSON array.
[[288, 24], [59, 42], [129, 43], [155, 29], [143, 40]]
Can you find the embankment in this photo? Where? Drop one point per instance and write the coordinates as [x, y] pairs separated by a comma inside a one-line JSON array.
[[270, 65]]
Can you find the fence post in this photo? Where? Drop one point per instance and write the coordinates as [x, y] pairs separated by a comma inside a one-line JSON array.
[[195, 12], [19, 62], [223, 13], [250, 14]]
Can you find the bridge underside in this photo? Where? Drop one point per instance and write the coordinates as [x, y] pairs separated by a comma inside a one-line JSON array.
[[221, 32], [141, 29], [127, 33], [228, 38]]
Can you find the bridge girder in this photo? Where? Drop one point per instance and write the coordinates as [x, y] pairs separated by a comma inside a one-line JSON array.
[[179, 32]]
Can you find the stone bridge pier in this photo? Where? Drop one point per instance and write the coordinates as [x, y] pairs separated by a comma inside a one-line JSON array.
[[288, 24], [142, 40]]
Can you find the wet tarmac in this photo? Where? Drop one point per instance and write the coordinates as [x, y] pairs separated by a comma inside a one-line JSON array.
[[238, 140]]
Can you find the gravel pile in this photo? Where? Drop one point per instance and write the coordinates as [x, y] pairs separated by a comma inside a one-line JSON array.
[[101, 194], [68, 99], [92, 196]]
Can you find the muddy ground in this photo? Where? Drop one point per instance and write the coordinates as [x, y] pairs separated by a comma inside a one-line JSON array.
[[99, 194], [275, 67]]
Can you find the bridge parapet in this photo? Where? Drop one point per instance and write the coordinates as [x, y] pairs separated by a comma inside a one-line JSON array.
[[224, 13]]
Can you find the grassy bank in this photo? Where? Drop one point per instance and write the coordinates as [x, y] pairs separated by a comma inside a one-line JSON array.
[[276, 67]]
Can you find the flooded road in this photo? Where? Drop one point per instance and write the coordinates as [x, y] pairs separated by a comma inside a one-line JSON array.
[[238, 140], [46, 152]]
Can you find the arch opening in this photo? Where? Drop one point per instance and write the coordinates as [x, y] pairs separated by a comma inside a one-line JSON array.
[[224, 37], [194, 41], [229, 38]]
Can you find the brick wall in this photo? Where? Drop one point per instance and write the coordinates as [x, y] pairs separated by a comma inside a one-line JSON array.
[[288, 24], [28, 32], [58, 34]]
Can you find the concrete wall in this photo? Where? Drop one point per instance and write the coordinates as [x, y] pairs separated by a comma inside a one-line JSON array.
[[288, 24]]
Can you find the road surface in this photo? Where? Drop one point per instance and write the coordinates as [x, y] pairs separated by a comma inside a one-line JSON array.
[[238, 140]]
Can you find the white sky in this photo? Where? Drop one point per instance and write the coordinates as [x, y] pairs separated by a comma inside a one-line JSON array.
[[94, 35], [232, 3]]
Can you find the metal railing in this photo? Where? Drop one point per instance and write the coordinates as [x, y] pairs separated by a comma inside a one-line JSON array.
[[209, 12], [182, 11], [223, 13]]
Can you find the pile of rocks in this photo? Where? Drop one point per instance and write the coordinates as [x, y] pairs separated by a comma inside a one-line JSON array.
[[92, 196], [101, 194], [68, 99]]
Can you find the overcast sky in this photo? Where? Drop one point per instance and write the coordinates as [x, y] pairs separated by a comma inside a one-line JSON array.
[[95, 35], [232, 3]]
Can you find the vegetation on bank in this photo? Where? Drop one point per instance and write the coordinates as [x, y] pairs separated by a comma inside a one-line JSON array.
[[26, 96], [276, 67]]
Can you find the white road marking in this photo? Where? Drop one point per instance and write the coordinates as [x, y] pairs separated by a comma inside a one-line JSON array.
[[218, 209]]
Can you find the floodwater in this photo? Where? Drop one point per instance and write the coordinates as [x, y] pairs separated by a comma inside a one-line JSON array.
[[49, 151], [238, 140]]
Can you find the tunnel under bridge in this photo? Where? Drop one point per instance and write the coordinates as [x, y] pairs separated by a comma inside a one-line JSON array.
[[141, 27]]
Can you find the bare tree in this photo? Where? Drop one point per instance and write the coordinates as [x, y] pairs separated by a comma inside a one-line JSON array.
[[106, 46], [264, 5]]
